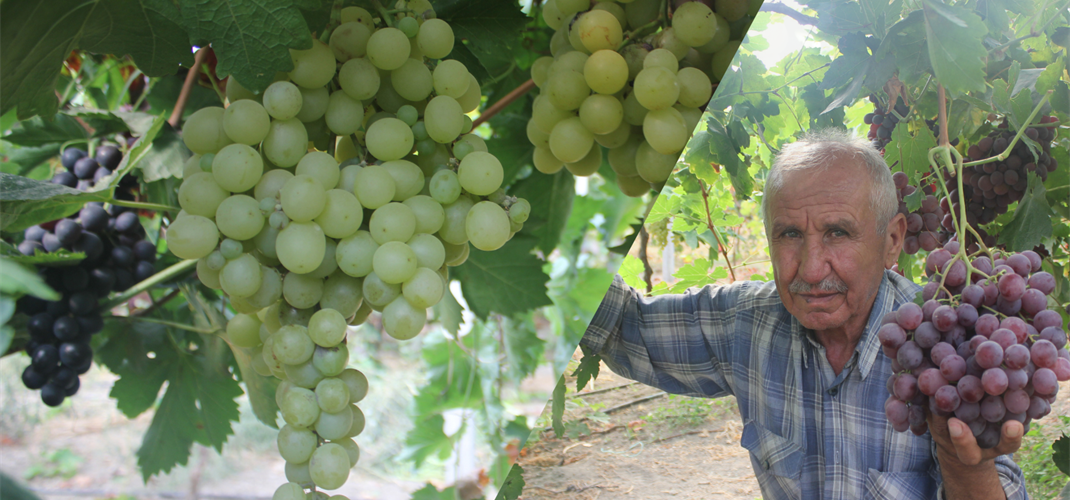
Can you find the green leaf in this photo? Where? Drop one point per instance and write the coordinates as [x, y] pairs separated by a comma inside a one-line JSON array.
[[913, 200], [61, 257], [14, 490], [490, 27], [429, 492], [551, 198], [909, 153], [509, 280], [1050, 76], [956, 51], [699, 273], [906, 39], [167, 156], [1060, 454], [587, 370], [25, 202], [448, 312], [142, 29], [251, 38], [1027, 79], [849, 92], [631, 270], [19, 280], [845, 67], [513, 485], [260, 389], [510, 144], [38, 132], [697, 157], [557, 407], [1032, 219], [426, 439], [29, 158], [523, 350]]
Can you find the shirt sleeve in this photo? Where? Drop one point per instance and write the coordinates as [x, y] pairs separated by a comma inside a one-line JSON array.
[[661, 341]]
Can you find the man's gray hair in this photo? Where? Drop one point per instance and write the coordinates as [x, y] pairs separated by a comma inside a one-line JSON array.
[[816, 150]]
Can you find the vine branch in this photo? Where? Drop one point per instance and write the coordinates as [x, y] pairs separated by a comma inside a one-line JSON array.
[[713, 229], [505, 101], [187, 86]]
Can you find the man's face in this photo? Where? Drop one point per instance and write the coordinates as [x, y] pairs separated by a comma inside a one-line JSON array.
[[828, 260]]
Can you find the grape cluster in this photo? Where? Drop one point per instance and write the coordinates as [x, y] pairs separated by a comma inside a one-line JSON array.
[[641, 101], [983, 347], [991, 187], [116, 257], [924, 230], [304, 243], [83, 171], [881, 123]]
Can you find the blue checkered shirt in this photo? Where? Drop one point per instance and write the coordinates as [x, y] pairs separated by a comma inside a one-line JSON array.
[[810, 433]]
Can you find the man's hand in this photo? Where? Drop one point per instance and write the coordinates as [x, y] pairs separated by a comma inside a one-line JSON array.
[[969, 471]]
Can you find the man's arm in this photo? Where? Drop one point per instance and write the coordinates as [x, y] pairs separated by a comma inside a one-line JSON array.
[[662, 341], [967, 471]]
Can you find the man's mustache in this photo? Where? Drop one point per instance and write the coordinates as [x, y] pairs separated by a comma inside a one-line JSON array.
[[829, 284]]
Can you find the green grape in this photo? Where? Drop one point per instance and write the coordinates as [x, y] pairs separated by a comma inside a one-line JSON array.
[[616, 138], [296, 445], [357, 383], [691, 116], [634, 113], [298, 474], [424, 289], [545, 115], [392, 222], [278, 221], [403, 321], [599, 30], [419, 130], [665, 131], [445, 186], [389, 139], [388, 48], [358, 15], [303, 375], [237, 168], [208, 276], [303, 198], [667, 39], [332, 394], [430, 164], [341, 215], [354, 254], [472, 97], [388, 99], [314, 104], [695, 24], [409, 115], [286, 142], [301, 246], [574, 39], [613, 8], [435, 39], [289, 315], [348, 175], [456, 254], [453, 226], [203, 131], [236, 91], [408, 26], [215, 261], [520, 211], [313, 67], [320, 166], [246, 122], [302, 291], [451, 79], [695, 87], [378, 293], [394, 262], [299, 407], [241, 277], [663, 58], [545, 161], [270, 183], [552, 16], [206, 162], [731, 10], [633, 186], [342, 293], [634, 55], [239, 217], [536, 136], [570, 141], [230, 249], [588, 164], [653, 166], [192, 166], [723, 58], [487, 226], [569, 61], [601, 114], [428, 212], [329, 465], [192, 237], [443, 119], [280, 392], [412, 81], [605, 72], [428, 250], [328, 265], [622, 158], [349, 41], [270, 318], [270, 289], [344, 115], [199, 194], [359, 79], [374, 186], [289, 491], [267, 205], [292, 345], [282, 100], [480, 173], [408, 178], [566, 90], [426, 147], [352, 450], [720, 37], [460, 150], [656, 88], [330, 361], [572, 6], [327, 327], [539, 70]]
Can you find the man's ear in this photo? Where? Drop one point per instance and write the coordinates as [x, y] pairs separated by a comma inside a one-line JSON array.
[[893, 239]]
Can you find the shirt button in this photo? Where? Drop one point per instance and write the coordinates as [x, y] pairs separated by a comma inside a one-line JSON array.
[[766, 465], [834, 391]]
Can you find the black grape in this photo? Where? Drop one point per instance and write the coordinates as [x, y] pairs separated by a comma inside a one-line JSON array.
[[70, 156]]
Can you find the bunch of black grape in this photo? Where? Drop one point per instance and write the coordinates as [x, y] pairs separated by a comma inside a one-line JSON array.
[[991, 187], [881, 123], [983, 348], [116, 257], [83, 171]]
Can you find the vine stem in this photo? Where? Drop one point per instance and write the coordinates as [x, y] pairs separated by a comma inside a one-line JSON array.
[[1021, 130], [505, 101], [187, 86], [143, 205], [172, 324], [713, 229], [150, 282]]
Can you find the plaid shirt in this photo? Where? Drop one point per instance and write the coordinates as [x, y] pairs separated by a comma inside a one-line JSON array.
[[810, 433]]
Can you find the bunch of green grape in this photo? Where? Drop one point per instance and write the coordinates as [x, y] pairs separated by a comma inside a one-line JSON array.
[[304, 243], [639, 94]]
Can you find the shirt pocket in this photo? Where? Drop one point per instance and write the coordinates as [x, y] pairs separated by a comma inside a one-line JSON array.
[[899, 485], [774, 457]]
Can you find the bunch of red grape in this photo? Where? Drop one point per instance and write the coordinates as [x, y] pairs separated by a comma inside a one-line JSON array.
[[881, 123], [984, 347], [923, 225]]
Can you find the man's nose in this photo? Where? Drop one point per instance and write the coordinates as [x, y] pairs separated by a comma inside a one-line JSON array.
[[813, 265]]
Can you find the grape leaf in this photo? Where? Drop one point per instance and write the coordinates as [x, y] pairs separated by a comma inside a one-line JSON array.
[[25, 202], [1032, 219], [251, 38], [588, 368], [510, 144], [448, 312], [557, 407], [506, 281], [429, 492], [906, 39], [18, 280], [489, 26], [551, 203], [426, 439], [697, 158], [513, 485], [1061, 454], [61, 257], [39, 132], [631, 271], [910, 151], [13, 490], [29, 158], [956, 52]]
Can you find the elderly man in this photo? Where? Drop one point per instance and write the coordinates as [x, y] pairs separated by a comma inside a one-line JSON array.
[[801, 354]]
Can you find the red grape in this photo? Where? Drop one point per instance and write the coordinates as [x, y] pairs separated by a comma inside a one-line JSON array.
[[992, 408], [909, 316], [1016, 356], [944, 318], [910, 355], [994, 381], [947, 398], [989, 354], [1016, 401], [1011, 287], [970, 389], [940, 351], [891, 335], [1062, 369], [953, 368], [930, 380], [1043, 354], [906, 387], [1042, 281], [1045, 382], [967, 411], [1016, 379]]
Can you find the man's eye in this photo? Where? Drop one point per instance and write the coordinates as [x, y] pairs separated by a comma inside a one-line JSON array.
[[839, 233], [790, 233]]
